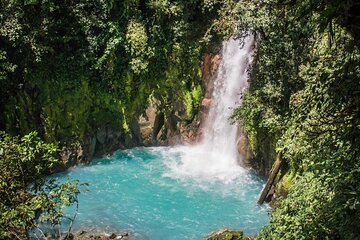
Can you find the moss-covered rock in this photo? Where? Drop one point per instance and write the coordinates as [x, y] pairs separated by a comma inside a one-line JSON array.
[[226, 234]]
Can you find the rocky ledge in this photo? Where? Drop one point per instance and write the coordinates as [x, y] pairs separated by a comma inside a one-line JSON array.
[[83, 235], [227, 234]]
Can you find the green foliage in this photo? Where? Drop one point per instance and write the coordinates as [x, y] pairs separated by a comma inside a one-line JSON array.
[[308, 220], [285, 183], [5, 67], [192, 101], [304, 100], [197, 94], [68, 115], [82, 65], [189, 105], [26, 198], [137, 46], [68, 68]]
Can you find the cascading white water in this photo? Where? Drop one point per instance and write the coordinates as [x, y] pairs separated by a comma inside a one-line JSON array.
[[216, 156], [220, 135]]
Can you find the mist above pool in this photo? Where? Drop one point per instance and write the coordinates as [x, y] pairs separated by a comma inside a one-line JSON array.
[[144, 191]]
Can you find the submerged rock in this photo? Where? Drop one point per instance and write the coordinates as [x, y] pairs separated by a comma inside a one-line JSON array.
[[97, 236]]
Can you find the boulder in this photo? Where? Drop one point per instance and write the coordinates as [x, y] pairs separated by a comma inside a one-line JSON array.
[[158, 125], [101, 236], [227, 234], [72, 155], [150, 123], [101, 135], [135, 128], [89, 146], [244, 149]]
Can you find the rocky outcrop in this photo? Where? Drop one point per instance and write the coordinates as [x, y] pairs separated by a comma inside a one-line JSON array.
[[104, 141], [151, 123], [264, 154], [155, 126], [173, 128], [210, 66], [83, 235], [109, 139], [71, 156], [227, 234], [184, 133], [244, 149]]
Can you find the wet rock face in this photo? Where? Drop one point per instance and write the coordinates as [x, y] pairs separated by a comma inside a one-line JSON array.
[[146, 130], [152, 127], [104, 141], [182, 132], [206, 103], [71, 156], [210, 66], [151, 122], [244, 149], [108, 140]]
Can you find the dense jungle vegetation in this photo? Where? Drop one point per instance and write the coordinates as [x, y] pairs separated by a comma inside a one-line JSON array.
[[68, 68], [304, 101]]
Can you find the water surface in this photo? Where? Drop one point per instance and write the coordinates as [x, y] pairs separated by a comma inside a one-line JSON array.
[[146, 192]]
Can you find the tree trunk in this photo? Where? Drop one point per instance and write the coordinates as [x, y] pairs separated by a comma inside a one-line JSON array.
[[274, 171]]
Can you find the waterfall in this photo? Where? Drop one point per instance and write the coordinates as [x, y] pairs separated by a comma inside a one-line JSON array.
[[216, 156], [220, 135]]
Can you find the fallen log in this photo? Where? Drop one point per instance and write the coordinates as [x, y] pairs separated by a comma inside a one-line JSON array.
[[273, 173]]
